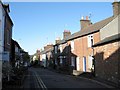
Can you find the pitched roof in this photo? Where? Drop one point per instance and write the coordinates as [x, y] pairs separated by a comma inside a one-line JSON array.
[[47, 50], [6, 6], [16, 43], [108, 40], [62, 41], [90, 29]]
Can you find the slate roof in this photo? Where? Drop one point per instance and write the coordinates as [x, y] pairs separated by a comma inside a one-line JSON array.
[[108, 40], [47, 50], [90, 29], [62, 41]]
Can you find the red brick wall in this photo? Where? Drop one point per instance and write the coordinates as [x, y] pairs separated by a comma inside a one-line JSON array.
[[8, 33], [107, 61], [81, 49]]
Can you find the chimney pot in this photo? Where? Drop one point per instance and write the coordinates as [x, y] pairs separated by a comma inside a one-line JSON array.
[[116, 7], [66, 33], [85, 23]]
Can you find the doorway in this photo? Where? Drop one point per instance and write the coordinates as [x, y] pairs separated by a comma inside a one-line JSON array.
[[78, 64], [84, 64]]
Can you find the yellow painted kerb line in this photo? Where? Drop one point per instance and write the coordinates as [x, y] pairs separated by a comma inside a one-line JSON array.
[[40, 82]]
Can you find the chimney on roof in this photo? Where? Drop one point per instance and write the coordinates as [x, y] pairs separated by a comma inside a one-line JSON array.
[[85, 23], [6, 7], [116, 7], [57, 40], [48, 46], [66, 33]]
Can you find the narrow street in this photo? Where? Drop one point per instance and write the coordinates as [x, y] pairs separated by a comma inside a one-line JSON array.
[[43, 78]]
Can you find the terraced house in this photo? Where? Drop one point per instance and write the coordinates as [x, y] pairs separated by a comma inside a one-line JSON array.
[[107, 51], [75, 52], [6, 25], [46, 55], [61, 53]]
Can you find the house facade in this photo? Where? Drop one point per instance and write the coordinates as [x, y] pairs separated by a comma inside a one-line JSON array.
[[76, 50], [61, 53], [6, 25], [80, 52], [106, 52], [46, 55], [106, 57]]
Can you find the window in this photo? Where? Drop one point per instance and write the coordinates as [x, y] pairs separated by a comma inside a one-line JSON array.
[[61, 48], [90, 61], [55, 62], [72, 61], [61, 59], [72, 45], [90, 40], [55, 49]]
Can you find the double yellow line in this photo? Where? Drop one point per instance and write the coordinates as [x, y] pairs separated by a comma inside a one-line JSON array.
[[40, 82]]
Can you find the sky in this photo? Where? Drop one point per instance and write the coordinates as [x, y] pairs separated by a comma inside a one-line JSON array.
[[39, 23]]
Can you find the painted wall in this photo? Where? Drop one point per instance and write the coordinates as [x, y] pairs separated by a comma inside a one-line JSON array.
[[1, 28], [110, 29]]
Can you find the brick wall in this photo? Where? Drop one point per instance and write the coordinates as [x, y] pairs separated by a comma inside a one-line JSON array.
[[107, 61], [81, 49]]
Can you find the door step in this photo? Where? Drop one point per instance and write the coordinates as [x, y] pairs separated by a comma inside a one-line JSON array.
[[76, 73]]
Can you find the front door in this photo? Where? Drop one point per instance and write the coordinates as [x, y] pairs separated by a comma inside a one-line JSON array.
[[84, 64], [78, 64]]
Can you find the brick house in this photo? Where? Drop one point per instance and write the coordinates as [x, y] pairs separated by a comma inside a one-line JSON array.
[[81, 44], [61, 52], [18, 55], [107, 64], [106, 52], [15, 50], [5, 30], [77, 47], [6, 25]]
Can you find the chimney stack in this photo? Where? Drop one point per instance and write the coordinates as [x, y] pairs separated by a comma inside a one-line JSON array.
[[48, 46], [66, 33], [57, 40], [85, 23], [116, 7], [6, 6]]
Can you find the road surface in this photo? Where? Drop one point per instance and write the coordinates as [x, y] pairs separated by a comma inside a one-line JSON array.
[[45, 79]]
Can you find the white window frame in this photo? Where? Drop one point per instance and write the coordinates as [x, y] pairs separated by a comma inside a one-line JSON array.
[[90, 61], [72, 45], [61, 49], [61, 59], [90, 38], [55, 49]]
